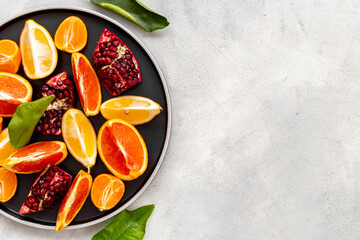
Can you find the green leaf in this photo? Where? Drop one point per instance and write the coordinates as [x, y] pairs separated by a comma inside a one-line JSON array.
[[127, 225], [24, 120], [136, 12]]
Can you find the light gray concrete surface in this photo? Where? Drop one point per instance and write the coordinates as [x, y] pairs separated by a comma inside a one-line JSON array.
[[266, 121]]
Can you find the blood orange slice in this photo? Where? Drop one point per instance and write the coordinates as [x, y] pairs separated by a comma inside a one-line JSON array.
[[87, 84], [106, 191], [14, 90], [8, 184], [6, 149], [35, 157], [122, 149], [74, 200]]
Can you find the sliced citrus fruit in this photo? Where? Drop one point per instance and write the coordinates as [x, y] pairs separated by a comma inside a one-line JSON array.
[[8, 184], [106, 191], [6, 149], [133, 109], [10, 57], [80, 137], [71, 35], [122, 149], [35, 157], [87, 84], [14, 90], [74, 200], [38, 51]]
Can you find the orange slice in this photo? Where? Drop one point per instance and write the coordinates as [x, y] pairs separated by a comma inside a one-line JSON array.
[[87, 84], [35, 157], [122, 149], [80, 137], [6, 149], [71, 35], [106, 191], [10, 57], [133, 109], [8, 184], [74, 200], [14, 90], [38, 51]]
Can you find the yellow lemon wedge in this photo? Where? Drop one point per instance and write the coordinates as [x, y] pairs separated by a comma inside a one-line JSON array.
[[133, 109]]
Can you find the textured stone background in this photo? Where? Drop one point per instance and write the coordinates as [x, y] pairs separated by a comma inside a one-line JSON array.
[[266, 121]]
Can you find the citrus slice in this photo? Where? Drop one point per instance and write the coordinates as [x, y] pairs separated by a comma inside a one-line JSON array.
[[133, 109], [106, 191], [87, 84], [14, 90], [71, 35], [80, 137], [38, 51], [35, 157], [8, 184], [10, 57], [122, 149], [74, 200], [6, 149]]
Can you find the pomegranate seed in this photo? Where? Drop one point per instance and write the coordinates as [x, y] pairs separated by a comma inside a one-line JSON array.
[[50, 92], [101, 46], [127, 56], [117, 85], [97, 54], [61, 96], [116, 43], [53, 131], [48, 131], [45, 88], [113, 54], [46, 126]]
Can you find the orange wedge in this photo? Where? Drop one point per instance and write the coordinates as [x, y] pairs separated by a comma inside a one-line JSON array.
[[74, 200], [14, 90], [10, 57], [106, 191], [133, 109], [35, 157], [122, 149], [38, 51], [71, 35], [80, 137], [87, 84], [6, 149], [8, 184]]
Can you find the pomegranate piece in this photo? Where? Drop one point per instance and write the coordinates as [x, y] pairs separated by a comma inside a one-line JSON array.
[[47, 190], [63, 89], [115, 64]]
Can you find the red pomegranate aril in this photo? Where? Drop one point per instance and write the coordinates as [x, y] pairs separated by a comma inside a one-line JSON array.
[[112, 60], [47, 190], [63, 88]]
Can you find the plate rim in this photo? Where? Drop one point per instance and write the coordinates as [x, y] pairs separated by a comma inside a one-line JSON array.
[[168, 130]]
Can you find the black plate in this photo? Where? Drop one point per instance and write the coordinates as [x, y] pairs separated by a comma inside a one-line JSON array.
[[155, 133]]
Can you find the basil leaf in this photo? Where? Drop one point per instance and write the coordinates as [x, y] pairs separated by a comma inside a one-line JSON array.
[[136, 12], [127, 225], [24, 120]]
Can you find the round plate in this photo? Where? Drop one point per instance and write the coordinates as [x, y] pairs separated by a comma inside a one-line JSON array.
[[155, 133]]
